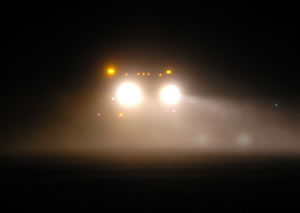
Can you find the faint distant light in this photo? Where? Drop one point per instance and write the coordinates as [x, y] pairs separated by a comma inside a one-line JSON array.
[[160, 75], [173, 110], [98, 114], [244, 139], [113, 98], [202, 139], [121, 114], [276, 105], [126, 74], [144, 73], [148, 73], [169, 72], [138, 73]]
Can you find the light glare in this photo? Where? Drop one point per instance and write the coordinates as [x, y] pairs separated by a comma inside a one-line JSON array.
[[170, 95], [129, 94]]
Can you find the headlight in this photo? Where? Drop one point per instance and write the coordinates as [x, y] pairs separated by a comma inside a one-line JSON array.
[[129, 94], [170, 95]]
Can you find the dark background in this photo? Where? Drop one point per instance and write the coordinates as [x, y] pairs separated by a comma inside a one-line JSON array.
[[253, 50], [248, 51]]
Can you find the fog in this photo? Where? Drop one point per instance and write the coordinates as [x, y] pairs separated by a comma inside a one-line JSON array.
[[201, 127]]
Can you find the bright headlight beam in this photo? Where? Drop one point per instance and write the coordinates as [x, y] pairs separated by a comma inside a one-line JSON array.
[[170, 95], [129, 94]]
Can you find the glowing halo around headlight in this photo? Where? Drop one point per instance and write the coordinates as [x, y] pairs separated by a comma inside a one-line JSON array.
[[129, 94], [170, 95]]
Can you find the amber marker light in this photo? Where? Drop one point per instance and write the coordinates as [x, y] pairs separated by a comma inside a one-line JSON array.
[[111, 71], [168, 72]]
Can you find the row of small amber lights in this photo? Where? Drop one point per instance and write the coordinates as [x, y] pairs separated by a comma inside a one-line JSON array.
[[143, 74], [168, 72], [112, 71]]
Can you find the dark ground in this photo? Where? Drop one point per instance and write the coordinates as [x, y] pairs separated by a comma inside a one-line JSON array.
[[46, 184]]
